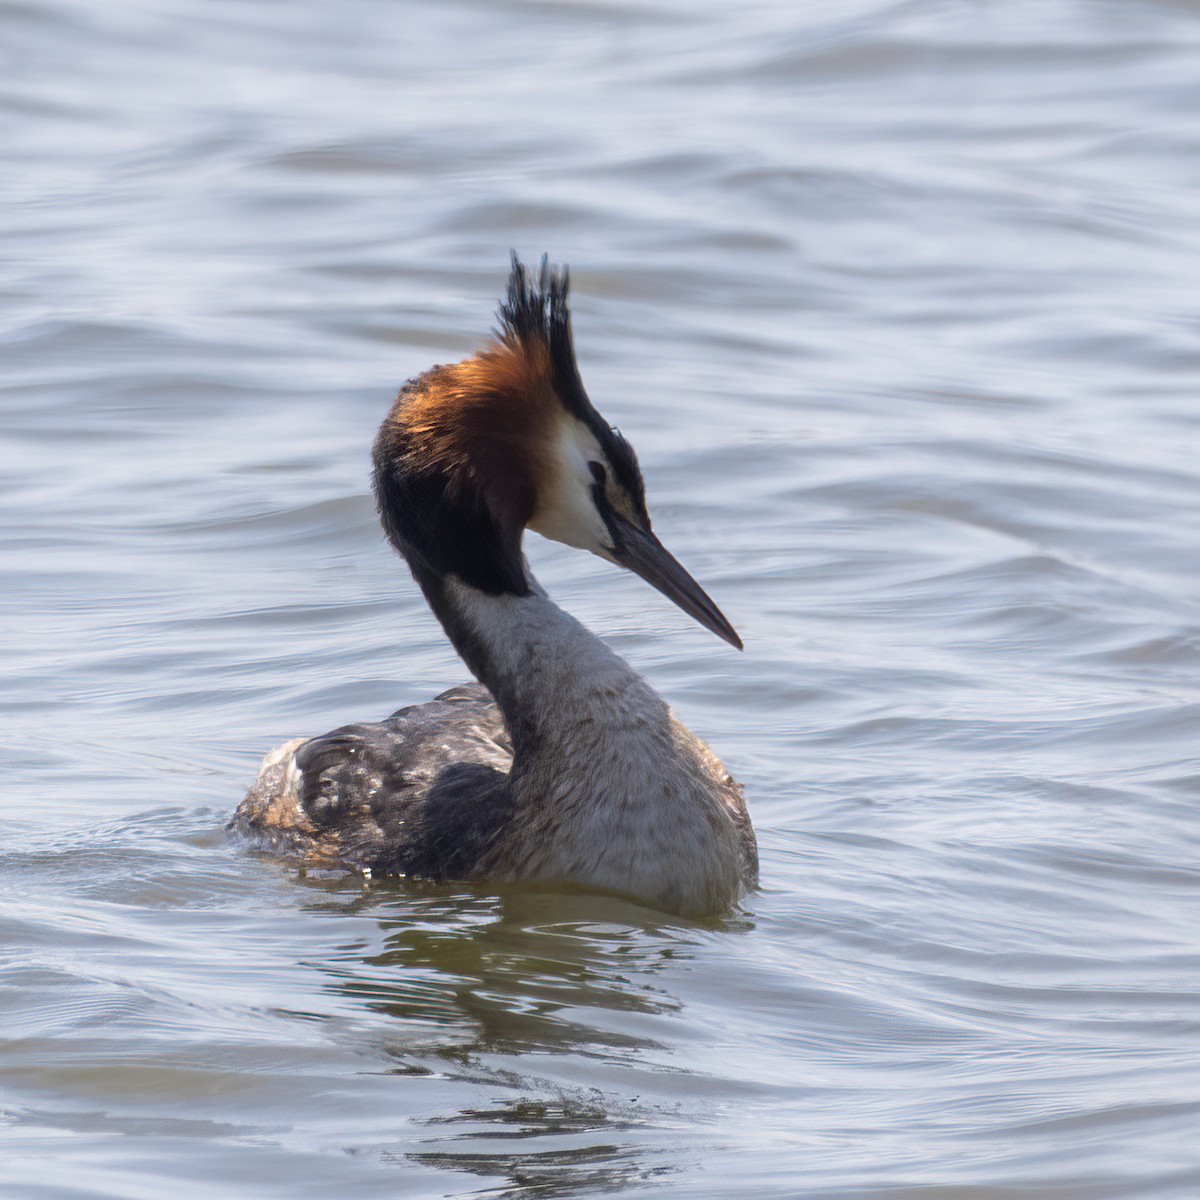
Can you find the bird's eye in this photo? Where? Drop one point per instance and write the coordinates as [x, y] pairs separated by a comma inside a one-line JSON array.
[[598, 472]]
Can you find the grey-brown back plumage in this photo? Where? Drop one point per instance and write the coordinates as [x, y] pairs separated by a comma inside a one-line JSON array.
[[422, 793]]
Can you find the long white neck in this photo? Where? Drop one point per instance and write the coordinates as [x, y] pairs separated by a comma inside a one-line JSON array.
[[551, 676], [611, 791]]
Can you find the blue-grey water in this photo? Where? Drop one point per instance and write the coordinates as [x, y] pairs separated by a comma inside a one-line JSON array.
[[899, 301]]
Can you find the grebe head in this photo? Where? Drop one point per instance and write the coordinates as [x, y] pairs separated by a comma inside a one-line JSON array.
[[473, 454]]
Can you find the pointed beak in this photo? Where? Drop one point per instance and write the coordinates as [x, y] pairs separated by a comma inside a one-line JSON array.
[[643, 554]]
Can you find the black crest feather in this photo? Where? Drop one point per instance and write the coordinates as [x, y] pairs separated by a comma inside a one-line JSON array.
[[535, 312]]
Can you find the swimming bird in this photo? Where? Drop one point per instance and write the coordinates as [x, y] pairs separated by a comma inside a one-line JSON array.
[[562, 765]]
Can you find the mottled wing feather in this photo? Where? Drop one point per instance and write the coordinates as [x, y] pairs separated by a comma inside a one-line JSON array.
[[421, 793]]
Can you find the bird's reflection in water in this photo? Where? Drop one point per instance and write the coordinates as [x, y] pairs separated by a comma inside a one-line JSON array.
[[559, 1004], [594, 1160]]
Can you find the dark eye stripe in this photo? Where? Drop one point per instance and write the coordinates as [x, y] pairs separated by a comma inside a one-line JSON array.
[[603, 507], [625, 470]]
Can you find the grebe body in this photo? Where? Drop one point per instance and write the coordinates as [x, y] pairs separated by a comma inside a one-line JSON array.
[[561, 765]]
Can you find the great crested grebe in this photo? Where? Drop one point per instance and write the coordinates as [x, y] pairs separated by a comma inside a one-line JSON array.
[[565, 766]]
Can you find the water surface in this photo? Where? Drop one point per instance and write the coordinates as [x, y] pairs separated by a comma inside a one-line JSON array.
[[898, 303]]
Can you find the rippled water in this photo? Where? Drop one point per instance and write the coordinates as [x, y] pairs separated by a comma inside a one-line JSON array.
[[898, 302]]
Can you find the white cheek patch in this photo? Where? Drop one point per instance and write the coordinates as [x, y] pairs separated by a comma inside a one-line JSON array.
[[566, 511]]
